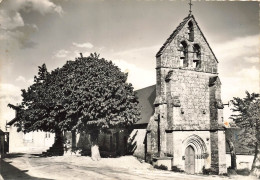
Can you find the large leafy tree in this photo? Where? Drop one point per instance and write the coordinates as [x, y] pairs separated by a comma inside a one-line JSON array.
[[89, 95], [247, 117]]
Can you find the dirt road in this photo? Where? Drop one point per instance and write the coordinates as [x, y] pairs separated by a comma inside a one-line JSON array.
[[32, 166]]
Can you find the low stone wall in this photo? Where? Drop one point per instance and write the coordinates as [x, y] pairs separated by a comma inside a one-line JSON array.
[[243, 161]]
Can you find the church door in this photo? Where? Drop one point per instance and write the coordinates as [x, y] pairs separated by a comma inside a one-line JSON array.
[[190, 160]]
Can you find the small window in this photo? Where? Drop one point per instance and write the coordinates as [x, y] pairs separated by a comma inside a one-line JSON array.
[[191, 31], [47, 135]]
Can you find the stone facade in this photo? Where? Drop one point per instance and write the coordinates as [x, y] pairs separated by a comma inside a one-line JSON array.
[[188, 106]]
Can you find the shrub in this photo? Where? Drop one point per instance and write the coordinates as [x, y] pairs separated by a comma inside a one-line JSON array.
[[244, 172], [148, 158], [176, 169], [162, 167], [231, 171], [209, 171], [85, 152], [107, 154]]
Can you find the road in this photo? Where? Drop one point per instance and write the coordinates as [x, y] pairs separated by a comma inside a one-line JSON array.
[[31, 166]]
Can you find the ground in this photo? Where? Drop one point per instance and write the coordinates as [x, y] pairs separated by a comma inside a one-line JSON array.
[[32, 166]]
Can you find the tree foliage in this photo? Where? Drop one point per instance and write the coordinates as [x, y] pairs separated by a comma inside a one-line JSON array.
[[86, 94], [247, 117]]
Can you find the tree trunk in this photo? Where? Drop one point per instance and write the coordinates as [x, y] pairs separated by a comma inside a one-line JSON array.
[[73, 141], [57, 148], [233, 154], [255, 170], [95, 155]]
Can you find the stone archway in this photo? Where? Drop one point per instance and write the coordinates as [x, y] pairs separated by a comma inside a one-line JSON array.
[[194, 148]]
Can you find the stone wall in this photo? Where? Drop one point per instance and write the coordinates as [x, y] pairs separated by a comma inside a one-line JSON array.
[[214, 139], [222, 152], [243, 161], [192, 90], [192, 103], [152, 137], [182, 139], [171, 54]]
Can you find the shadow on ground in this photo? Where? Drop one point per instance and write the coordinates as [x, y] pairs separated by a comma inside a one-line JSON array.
[[13, 155], [10, 172], [37, 155]]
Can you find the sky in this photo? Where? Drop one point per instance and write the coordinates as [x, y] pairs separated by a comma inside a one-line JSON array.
[[129, 33]]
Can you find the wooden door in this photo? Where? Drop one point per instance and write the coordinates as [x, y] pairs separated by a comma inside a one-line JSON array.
[[190, 160]]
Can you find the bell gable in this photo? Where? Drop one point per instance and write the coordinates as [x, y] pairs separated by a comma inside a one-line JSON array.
[[187, 48]]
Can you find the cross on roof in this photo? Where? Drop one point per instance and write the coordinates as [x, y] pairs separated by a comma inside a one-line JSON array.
[[190, 6]]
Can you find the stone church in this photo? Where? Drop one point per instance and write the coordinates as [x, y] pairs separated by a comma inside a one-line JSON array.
[[181, 122], [186, 128]]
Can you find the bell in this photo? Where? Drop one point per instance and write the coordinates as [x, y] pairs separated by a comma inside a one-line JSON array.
[[181, 48], [196, 56], [196, 63]]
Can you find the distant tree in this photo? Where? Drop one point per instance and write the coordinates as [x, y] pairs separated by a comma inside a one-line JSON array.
[[247, 117], [86, 95]]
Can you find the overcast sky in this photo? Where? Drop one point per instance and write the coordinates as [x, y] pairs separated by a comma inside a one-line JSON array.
[[33, 32]]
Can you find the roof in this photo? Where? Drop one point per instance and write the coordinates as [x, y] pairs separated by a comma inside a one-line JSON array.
[[172, 36], [177, 30], [146, 97]]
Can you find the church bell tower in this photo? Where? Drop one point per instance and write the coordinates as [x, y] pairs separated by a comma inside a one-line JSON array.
[[186, 130]]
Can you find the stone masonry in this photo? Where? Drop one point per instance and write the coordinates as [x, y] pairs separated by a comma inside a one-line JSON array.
[[188, 106]]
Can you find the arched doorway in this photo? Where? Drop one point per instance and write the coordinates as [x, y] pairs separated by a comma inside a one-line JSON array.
[[190, 160], [194, 149]]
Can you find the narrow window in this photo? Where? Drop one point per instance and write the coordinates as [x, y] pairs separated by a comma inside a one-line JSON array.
[[196, 56], [191, 31], [183, 54]]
